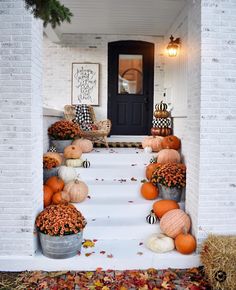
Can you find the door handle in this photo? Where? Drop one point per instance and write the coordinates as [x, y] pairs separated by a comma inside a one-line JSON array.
[[145, 100]]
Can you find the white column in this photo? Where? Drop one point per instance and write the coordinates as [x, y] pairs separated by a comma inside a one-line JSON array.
[[21, 144], [211, 158]]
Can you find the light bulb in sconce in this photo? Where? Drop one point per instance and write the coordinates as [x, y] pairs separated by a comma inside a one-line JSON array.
[[173, 46]]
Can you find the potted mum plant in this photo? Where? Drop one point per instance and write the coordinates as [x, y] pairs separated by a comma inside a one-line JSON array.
[[62, 133], [51, 164], [60, 229], [171, 179]]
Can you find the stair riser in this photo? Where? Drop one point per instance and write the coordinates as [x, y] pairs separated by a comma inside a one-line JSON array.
[[111, 210], [111, 173], [140, 158], [120, 232]]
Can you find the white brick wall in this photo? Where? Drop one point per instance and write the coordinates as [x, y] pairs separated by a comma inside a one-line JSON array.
[[211, 183], [75, 48], [20, 128]]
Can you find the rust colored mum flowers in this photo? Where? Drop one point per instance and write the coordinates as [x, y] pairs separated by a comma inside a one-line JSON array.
[[170, 175], [63, 130], [59, 220]]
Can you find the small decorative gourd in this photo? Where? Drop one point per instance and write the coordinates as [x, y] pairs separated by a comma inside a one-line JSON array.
[[151, 218], [78, 190], [67, 173], [86, 164], [74, 162], [160, 243], [52, 148]]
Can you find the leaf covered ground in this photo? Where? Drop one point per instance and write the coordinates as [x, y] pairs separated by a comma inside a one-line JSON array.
[[190, 279]]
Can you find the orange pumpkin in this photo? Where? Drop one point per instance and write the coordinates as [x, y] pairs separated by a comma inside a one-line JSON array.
[[149, 191], [153, 142], [72, 152], [173, 222], [185, 243], [47, 195], [85, 145], [55, 183], [171, 142], [150, 169], [168, 156], [60, 197], [161, 207]]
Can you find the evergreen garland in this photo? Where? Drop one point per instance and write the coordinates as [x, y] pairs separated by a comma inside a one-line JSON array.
[[50, 11]]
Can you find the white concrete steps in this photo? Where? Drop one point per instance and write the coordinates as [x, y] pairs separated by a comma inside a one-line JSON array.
[[119, 228], [115, 212], [106, 254]]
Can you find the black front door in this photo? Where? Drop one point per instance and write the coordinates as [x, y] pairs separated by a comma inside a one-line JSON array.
[[130, 87]]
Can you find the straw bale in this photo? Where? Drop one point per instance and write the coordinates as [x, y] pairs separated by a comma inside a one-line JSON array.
[[218, 255]]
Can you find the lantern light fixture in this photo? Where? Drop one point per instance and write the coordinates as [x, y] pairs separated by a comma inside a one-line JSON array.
[[173, 46]]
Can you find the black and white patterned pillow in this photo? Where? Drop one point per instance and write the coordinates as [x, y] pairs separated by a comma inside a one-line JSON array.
[[83, 117]]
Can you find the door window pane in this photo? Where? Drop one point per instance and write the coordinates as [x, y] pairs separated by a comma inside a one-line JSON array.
[[130, 74]]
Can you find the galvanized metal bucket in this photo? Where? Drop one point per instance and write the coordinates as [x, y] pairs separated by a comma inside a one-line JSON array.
[[60, 144], [50, 172], [61, 247], [173, 193]]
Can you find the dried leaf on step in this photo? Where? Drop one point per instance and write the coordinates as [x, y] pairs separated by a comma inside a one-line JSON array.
[[102, 252], [143, 180], [95, 240], [89, 254], [140, 253], [110, 256], [134, 164], [88, 196], [130, 201], [140, 244], [88, 244], [133, 179]]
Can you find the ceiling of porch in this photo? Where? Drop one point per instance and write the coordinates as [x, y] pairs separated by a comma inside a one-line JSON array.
[[131, 17]]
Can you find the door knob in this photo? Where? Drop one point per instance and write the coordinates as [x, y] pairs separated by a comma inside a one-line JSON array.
[[145, 100]]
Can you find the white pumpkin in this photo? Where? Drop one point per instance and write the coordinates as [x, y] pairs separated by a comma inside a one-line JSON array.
[[148, 149], [67, 173], [78, 190], [74, 162], [160, 243]]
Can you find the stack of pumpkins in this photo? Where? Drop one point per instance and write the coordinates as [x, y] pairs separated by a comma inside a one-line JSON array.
[[65, 186], [162, 125], [167, 148], [174, 222]]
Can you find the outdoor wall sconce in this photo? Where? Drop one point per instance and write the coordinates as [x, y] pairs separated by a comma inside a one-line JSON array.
[[173, 46]]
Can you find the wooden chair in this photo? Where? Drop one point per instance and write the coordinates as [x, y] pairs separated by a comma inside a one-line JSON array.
[[96, 136]]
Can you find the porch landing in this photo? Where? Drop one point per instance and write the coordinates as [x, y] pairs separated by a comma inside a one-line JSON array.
[[116, 213]]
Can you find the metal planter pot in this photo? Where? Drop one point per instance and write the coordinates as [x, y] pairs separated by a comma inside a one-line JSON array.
[[61, 247], [60, 144], [50, 172], [172, 193]]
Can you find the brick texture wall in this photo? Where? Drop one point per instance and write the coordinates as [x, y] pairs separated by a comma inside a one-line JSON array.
[[211, 187], [20, 128], [58, 60]]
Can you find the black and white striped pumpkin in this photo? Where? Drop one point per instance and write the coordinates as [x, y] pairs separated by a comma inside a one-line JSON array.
[[52, 148], [86, 164], [152, 218]]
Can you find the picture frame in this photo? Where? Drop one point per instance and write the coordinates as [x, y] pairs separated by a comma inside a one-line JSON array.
[[85, 83]]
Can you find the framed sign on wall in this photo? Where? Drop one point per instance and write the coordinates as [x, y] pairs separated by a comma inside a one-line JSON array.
[[84, 83]]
